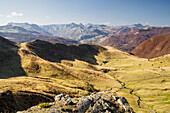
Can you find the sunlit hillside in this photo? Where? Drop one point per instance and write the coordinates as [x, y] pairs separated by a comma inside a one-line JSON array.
[[46, 69]]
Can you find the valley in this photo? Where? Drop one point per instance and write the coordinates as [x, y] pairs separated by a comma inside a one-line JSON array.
[[40, 69], [84, 56]]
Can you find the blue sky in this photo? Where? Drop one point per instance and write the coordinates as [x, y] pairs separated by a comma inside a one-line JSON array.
[[110, 12]]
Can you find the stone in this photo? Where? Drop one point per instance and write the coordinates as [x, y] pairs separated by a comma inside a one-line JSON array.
[[90, 97], [63, 99], [115, 98], [96, 96], [122, 101], [68, 101], [105, 105], [97, 107], [55, 111], [67, 97], [83, 104], [58, 97], [108, 91], [74, 101], [126, 108]]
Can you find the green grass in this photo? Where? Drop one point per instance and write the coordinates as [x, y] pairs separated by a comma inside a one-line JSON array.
[[44, 105], [73, 77]]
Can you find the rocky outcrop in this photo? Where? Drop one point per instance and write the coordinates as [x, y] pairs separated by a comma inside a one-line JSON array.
[[84, 104], [66, 99], [94, 103]]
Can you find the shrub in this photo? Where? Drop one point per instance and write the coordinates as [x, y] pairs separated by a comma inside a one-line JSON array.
[[44, 105]]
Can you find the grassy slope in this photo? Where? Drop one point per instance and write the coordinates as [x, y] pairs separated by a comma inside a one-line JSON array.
[[146, 79], [80, 78]]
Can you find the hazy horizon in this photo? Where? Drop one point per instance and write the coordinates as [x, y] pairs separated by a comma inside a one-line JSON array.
[[107, 12]]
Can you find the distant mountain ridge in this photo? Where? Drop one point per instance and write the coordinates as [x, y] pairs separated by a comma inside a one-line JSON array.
[[79, 32], [30, 27], [130, 40], [82, 32], [21, 38], [125, 38], [24, 32], [17, 29]]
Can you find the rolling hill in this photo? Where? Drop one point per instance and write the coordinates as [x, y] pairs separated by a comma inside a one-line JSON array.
[[41, 70], [10, 60], [154, 47]]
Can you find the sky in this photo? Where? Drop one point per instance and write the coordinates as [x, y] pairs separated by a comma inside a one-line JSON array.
[[109, 12]]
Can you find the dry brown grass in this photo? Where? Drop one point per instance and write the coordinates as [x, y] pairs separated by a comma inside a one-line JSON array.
[[78, 77]]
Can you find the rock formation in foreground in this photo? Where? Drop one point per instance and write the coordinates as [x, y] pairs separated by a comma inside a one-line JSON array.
[[100, 102]]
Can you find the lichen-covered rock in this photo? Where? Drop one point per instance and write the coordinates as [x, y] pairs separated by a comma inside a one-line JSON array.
[[58, 97], [83, 104], [65, 99]]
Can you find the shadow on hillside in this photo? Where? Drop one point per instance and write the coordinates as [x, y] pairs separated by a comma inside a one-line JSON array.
[[21, 100], [10, 61], [55, 52]]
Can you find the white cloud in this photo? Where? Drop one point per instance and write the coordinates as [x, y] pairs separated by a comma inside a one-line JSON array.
[[16, 14], [106, 23], [8, 16], [47, 17], [147, 23]]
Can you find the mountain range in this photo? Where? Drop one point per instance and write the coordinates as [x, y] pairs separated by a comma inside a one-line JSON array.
[[79, 32], [125, 38], [30, 27], [82, 32]]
